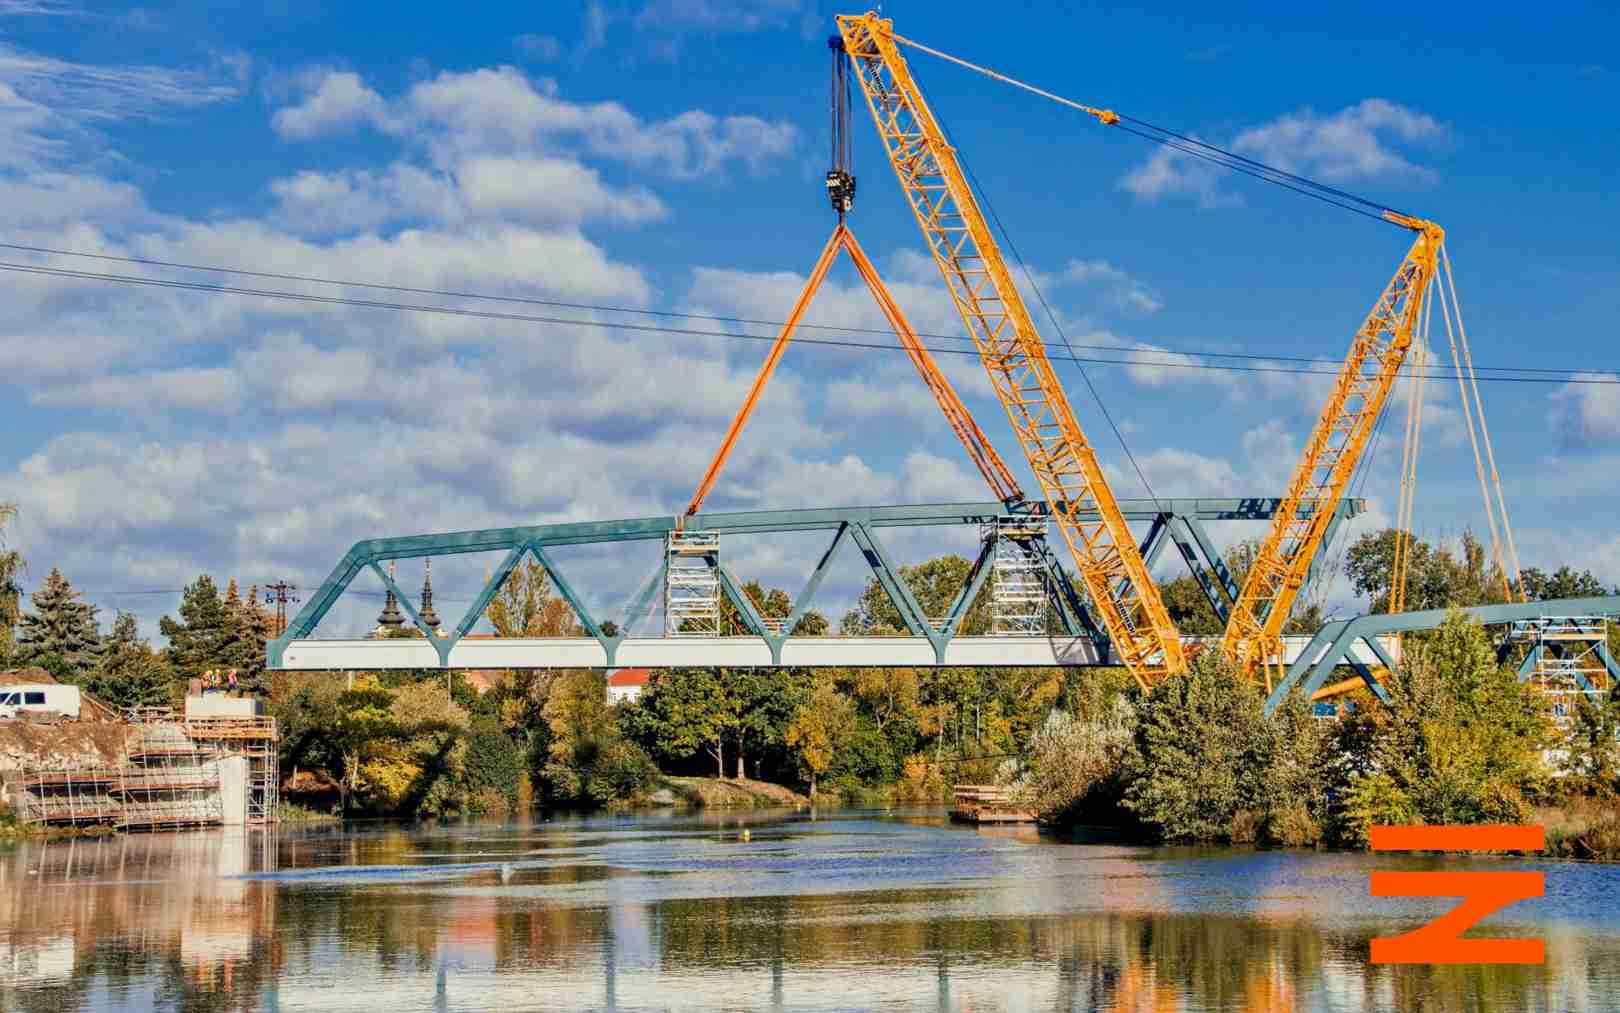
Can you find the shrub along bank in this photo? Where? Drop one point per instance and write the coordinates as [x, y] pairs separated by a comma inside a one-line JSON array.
[[1461, 741]]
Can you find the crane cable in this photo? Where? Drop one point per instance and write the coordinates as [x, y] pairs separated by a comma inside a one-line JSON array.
[[1406, 504], [1186, 144], [1462, 363], [1462, 358]]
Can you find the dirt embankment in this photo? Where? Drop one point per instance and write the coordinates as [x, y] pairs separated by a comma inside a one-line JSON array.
[[719, 792]]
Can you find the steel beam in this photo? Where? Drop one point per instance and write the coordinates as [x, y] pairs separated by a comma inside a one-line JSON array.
[[1309, 673], [858, 522], [694, 652]]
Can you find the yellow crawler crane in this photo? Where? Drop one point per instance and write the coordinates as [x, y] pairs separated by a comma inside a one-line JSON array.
[[1105, 553], [1253, 638]]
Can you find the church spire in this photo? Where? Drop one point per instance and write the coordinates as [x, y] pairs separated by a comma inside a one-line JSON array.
[[391, 618], [430, 618]]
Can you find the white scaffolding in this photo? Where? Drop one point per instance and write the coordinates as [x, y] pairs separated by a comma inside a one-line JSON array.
[[1018, 591], [692, 584], [1568, 663]]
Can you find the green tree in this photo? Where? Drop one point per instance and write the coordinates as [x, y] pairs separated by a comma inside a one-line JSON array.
[[935, 584], [253, 625], [684, 710], [417, 766], [1077, 769], [1203, 744], [820, 729], [1538, 585], [1591, 744], [588, 759], [129, 672], [205, 636], [1436, 577], [1461, 740], [61, 627], [772, 604], [11, 565]]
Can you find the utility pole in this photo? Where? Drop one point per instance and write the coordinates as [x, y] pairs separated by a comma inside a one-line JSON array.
[[280, 595]]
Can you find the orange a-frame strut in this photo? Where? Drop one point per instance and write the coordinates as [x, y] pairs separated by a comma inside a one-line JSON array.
[[973, 439]]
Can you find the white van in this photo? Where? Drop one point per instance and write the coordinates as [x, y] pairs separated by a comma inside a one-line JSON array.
[[36, 699]]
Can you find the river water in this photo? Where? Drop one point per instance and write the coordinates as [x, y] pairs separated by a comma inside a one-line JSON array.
[[767, 910]]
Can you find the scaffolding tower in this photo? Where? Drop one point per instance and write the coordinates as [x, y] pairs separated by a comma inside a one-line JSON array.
[[255, 739], [1568, 659], [692, 584], [168, 783], [1018, 585], [68, 797]]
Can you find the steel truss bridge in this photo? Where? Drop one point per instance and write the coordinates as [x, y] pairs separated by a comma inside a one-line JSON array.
[[1361, 645], [1014, 556]]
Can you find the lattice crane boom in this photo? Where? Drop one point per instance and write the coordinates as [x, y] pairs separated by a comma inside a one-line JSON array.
[[1334, 448], [1105, 552]]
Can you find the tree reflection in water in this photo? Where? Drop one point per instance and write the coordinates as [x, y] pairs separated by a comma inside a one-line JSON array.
[[661, 912]]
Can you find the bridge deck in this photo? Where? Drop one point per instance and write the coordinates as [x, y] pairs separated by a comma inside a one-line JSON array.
[[726, 652]]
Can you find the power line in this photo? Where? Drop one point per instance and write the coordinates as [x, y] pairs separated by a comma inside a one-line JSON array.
[[603, 308], [455, 311]]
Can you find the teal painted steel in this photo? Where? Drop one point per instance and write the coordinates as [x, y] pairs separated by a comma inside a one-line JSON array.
[[1310, 672], [859, 523]]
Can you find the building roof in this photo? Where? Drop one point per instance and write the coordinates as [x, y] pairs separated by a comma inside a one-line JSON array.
[[629, 677]]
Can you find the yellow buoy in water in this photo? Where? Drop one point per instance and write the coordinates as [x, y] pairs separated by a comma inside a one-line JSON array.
[[745, 835]]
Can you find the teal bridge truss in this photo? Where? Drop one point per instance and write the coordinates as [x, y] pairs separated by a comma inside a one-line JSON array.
[[931, 640]]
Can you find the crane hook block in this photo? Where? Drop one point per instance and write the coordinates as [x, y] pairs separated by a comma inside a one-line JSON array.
[[841, 190]]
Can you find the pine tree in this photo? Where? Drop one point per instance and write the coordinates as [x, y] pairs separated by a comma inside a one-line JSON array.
[[60, 627], [204, 636], [131, 674], [253, 624]]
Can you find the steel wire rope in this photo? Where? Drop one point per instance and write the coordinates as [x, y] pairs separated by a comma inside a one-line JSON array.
[[605, 308], [1567, 378], [1182, 142], [1006, 237]]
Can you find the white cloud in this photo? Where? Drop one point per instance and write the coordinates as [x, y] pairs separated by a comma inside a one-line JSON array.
[[540, 191], [1584, 414], [500, 111], [333, 100], [1356, 143], [1125, 290]]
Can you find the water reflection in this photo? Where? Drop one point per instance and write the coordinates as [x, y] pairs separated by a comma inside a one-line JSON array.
[[674, 912]]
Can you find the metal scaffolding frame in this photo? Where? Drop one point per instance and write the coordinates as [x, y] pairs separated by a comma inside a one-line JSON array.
[[256, 740], [1567, 659], [1019, 590], [169, 777], [168, 782], [692, 584]]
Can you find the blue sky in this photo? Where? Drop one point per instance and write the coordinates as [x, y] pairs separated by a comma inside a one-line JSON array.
[[667, 154]]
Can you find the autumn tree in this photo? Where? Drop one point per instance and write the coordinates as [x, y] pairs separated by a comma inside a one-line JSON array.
[[61, 631], [821, 725], [525, 607]]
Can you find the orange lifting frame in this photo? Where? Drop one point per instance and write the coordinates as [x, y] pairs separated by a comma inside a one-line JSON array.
[[984, 456]]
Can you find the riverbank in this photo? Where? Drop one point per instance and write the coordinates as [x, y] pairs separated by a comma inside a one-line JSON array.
[[714, 792]]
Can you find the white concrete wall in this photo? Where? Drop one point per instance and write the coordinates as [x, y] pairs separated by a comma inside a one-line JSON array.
[[233, 779]]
